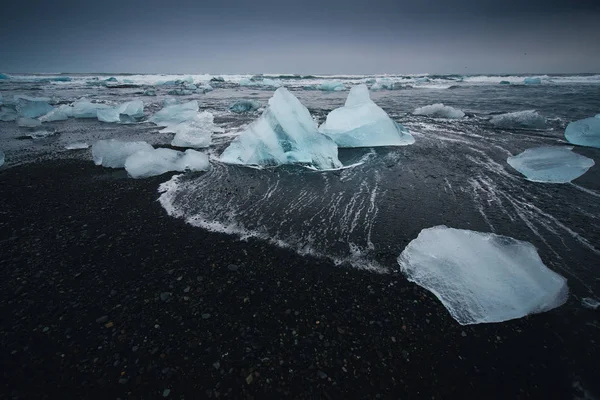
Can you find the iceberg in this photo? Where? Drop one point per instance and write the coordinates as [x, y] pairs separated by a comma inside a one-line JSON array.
[[25, 122], [32, 107], [77, 146], [196, 132], [144, 164], [332, 86], [2, 158], [585, 132], [285, 133], [550, 164], [482, 277], [175, 113], [528, 119], [242, 106], [8, 114], [86, 109], [112, 153], [532, 81], [439, 110], [362, 123], [60, 113], [126, 112]]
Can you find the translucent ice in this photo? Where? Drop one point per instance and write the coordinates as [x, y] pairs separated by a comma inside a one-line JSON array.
[[175, 113], [504, 82], [384, 84], [123, 113], [439, 111], [86, 109], [60, 113], [149, 92], [206, 88], [532, 81], [3, 76], [77, 146], [361, 123], [550, 164], [112, 153], [482, 277], [331, 86], [143, 164], [284, 134], [241, 106], [196, 132], [529, 119], [271, 83], [585, 132], [25, 122], [32, 107]]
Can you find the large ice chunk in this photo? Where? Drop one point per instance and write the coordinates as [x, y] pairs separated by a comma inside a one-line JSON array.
[[87, 109], [143, 164], [125, 112], [175, 113], [60, 113], [529, 119], [482, 277], [197, 132], [284, 134], [585, 132], [550, 164], [241, 106], [112, 153], [332, 86], [32, 107], [439, 110], [361, 123]]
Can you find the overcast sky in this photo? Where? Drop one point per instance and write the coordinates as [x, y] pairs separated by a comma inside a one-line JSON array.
[[305, 37]]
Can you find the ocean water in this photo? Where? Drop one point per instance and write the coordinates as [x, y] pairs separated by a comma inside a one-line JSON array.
[[455, 174]]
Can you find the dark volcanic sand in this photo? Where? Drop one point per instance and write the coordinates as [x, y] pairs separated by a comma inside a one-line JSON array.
[[105, 296]]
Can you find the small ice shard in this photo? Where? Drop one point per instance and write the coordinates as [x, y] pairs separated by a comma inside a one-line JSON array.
[[143, 164], [550, 164], [175, 113], [86, 109], [60, 113], [41, 134], [362, 123], [384, 84], [126, 112], [25, 122], [2, 158], [196, 132], [285, 133], [439, 110], [241, 106], [112, 153], [111, 79], [528, 119], [482, 277], [179, 92], [587, 302], [532, 81], [8, 114], [149, 92], [77, 146], [32, 107], [332, 86], [585, 132], [504, 82]]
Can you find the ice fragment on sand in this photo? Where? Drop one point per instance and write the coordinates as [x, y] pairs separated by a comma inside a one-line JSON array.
[[550, 164], [143, 164], [112, 153], [585, 132], [439, 110], [529, 119]]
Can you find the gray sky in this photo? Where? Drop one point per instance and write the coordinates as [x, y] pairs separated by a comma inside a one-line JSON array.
[[306, 37]]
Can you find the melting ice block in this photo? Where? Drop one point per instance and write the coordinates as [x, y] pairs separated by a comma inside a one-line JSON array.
[[585, 132], [32, 107], [528, 119], [439, 110], [241, 106], [86, 109], [77, 146], [113, 153], [196, 132], [143, 164], [126, 112], [482, 277], [175, 113], [284, 134], [60, 113], [550, 164], [361, 123], [332, 86]]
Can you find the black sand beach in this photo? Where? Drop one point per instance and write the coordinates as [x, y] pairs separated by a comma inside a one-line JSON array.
[[105, 296]]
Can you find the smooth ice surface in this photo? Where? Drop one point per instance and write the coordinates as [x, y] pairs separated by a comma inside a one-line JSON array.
[[285, 133], [60, 113], [77, 146], [585, 132], [25, 122], [532, 81], [2, 158], [87, 109], [173, 114], [439, 111], [197, 132], [241, 106], [361, 123], [550, 164], [332, 86], [482, 277], [32, 107], [112, 153], [143, 164], [529, 119], [122, 113]]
